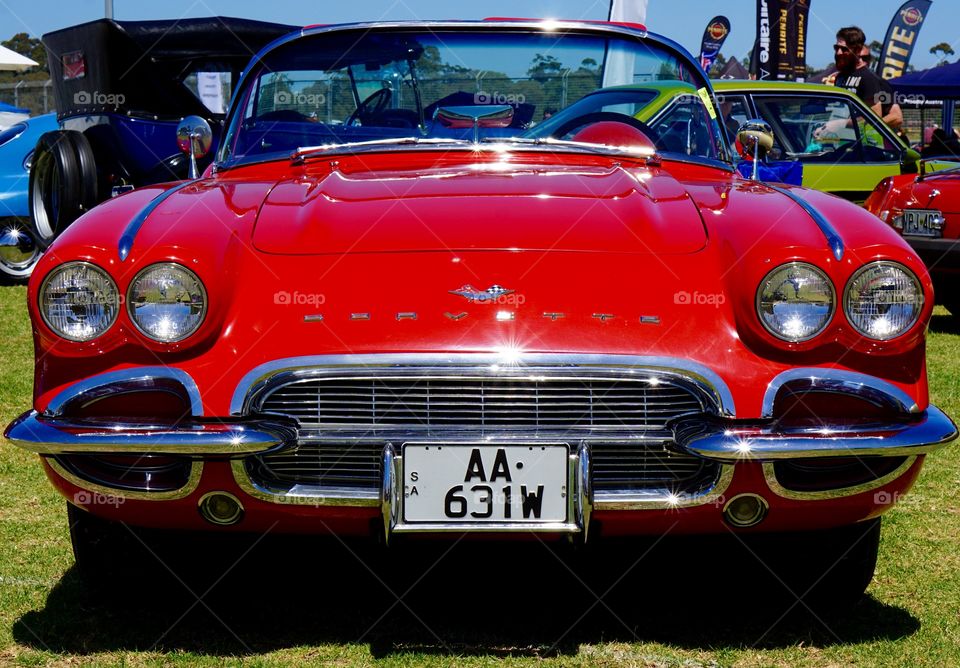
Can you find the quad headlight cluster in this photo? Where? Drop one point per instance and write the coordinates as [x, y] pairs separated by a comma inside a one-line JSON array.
[[882, 300], [166, 301]]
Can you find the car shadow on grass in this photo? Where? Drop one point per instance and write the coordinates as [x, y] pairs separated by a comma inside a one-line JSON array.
[[523, 598]]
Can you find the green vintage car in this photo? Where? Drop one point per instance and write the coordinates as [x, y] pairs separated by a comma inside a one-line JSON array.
[[844, 147]]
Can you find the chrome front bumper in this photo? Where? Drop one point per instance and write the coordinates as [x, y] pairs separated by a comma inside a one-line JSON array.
[[233, 437], [729, 441]]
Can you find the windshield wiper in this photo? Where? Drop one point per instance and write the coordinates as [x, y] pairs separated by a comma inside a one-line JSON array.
[[304, 152]]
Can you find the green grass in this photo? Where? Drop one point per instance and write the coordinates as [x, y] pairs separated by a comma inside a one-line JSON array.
[[312, 602]]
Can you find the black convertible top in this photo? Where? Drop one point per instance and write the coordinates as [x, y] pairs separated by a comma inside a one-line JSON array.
[[138, 67]]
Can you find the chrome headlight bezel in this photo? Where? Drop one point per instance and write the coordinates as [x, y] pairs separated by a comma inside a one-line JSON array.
[[909, 273], [175, 266], [800, 265], [89, 266]]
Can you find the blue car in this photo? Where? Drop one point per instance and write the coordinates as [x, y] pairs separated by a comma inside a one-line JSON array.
[[18, 248]]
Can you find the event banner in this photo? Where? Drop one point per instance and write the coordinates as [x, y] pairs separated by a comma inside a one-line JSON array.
[[780, 51], [713, 37], [902, 37]]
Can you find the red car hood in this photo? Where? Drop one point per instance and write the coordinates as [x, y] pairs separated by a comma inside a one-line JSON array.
[[491, 206]]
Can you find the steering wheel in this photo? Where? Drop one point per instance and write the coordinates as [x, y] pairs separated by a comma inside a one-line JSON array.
[[603, 116], [373, 105]]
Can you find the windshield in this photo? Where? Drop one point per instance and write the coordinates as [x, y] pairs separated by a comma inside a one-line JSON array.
[[345, 87]]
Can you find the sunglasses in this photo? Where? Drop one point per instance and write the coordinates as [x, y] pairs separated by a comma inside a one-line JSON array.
[[841, 48]]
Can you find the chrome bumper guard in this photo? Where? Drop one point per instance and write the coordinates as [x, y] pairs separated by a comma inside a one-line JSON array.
[[579, 502], [728, 442], [234, 437]]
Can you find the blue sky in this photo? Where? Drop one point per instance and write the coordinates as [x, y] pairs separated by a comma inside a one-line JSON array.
[[682, 20]]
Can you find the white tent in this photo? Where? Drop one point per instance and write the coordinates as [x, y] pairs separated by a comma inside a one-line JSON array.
[[13, 61]]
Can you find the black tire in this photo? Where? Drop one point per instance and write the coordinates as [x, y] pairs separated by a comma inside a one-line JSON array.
[[103, 549], [57, 187], [90, 194], [828, 570]]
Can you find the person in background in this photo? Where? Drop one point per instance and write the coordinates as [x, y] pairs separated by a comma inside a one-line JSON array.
[[855, 76], [866, 58]]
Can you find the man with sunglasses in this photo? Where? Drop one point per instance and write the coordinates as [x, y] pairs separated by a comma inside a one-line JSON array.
[[856, 76]]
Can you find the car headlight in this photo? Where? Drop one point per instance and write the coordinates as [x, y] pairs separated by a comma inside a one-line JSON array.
[[795, 301], [79, 301], [166, 302], [883, 300]]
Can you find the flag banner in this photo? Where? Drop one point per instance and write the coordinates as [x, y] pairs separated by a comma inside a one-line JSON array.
[[713, 37], [780, 51], [628, 11], [764, 61], [902, 37]]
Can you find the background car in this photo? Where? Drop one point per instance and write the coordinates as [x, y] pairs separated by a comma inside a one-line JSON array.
[[925, 209], [18, 248], [844, 147], [398, 308], [120, 88]]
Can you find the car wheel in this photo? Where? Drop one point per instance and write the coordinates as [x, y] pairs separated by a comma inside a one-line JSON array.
[[828, 570], [57, 185], [19, 251], [103, 549]]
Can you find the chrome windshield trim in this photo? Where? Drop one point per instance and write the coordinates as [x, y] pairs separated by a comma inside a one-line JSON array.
[[491, 364], [840, 380], [660, 499], [601, 29], [193, 481], [125, 244], [121, 379], [834, 240], [770, 476]]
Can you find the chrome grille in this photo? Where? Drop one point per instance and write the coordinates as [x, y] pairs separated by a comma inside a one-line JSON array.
[[615, 466], [481, 403]]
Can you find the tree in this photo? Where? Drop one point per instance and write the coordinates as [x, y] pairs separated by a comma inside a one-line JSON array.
[[944, 49], [544, 68]]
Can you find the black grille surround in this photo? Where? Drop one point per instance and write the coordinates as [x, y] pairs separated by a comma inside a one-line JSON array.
[[346, 421]]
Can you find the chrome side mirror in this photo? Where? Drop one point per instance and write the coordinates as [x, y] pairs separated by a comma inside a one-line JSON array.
[[194, 137], [754, 141]]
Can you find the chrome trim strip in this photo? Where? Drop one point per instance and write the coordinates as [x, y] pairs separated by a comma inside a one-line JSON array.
[[769, 474], [61, 436], [838, 380], [658, 500], [834, 240], [135, 374], [487, 364], [303, 495], [125, 244], [764, 442], [193, 481]]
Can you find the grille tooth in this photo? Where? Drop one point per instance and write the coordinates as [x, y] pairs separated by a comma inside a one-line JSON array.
[[379, 407], [484, 403]]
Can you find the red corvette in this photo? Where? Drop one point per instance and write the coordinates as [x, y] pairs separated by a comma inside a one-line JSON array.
[[925, 209], [448, 278]]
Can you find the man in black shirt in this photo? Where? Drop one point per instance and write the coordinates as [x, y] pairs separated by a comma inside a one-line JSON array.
[[857, 77]]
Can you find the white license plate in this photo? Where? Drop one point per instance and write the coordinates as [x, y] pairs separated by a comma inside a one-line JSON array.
[[479, 483], [922, 223]]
